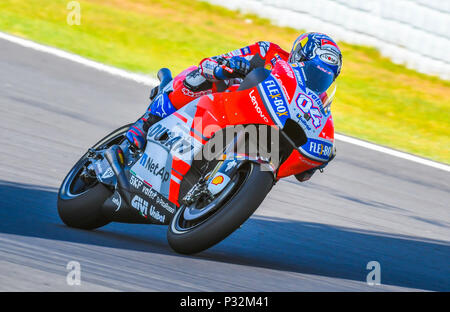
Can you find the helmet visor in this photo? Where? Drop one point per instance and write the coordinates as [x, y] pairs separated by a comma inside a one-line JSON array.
[[318, 77], [328, 96]]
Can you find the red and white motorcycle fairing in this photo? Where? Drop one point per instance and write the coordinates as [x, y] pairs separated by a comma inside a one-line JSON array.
[[281, 96]]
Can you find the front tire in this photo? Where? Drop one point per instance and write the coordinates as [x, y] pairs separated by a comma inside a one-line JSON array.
[[84, 211], [79, 201], [246, 197]]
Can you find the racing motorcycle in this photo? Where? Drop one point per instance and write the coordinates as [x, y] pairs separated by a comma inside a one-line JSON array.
[[204, 199]]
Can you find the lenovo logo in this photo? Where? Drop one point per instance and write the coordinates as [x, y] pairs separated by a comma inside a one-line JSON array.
[[256, 106]]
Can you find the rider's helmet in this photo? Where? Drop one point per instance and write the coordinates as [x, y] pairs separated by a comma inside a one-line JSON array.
[[319, 58]]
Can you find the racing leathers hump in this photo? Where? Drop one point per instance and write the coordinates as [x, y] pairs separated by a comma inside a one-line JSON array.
[[260, 54]]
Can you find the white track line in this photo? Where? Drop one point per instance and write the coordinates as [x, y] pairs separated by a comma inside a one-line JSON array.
[[147, 80], [392, 152]]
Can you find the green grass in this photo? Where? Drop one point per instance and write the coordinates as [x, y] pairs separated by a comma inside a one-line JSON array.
[[377, 100]]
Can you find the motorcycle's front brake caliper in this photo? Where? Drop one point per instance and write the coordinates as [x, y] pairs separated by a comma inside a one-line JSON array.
[[200, 189], [89, 168], [98, 167], [197, 192]]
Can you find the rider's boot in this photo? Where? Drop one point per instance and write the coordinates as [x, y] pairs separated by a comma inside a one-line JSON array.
[[137, 132], [159, 108]]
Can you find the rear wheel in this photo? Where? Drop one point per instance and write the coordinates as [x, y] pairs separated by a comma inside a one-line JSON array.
[[198, 227], [81, 196]]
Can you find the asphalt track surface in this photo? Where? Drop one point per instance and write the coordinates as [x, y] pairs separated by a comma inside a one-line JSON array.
[[314, 236]]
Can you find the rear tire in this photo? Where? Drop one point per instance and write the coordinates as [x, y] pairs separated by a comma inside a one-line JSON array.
[[226, 219]]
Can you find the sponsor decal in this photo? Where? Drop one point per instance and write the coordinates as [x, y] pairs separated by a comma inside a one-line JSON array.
[[217, 180], [117, 200], [256, 106], [307, 105], [164, 205], [190, 93], [108, 174], [235, 52], [329, 58], [287, 69], [156, 214], [245, 51], [162, 106], [325, 42], [197, 77], [299, 76], [218, 183], [171, 141], [276, 99], [319, 149], [263, 48], [324, 70], [154, 168], [149, 192], [306, 161], [135, 182], [303, 121], [152, 194], [275, 59], [209, 64], [230, 165], [140, 204]]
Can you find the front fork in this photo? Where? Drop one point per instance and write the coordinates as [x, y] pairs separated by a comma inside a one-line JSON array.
[[231, 161], [219, 178]]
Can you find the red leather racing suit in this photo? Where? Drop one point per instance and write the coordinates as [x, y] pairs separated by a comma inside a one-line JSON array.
[[200, 80]]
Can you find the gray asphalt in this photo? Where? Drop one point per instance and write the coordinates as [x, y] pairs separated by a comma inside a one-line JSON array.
[[313, 236]]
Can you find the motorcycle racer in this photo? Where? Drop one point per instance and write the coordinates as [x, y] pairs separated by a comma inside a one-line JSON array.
[[318, 56]]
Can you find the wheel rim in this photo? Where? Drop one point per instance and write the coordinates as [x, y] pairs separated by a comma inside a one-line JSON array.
[[193, 212], [181, 225], [73, 185]]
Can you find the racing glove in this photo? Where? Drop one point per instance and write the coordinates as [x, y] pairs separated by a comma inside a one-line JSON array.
[[234, 67]]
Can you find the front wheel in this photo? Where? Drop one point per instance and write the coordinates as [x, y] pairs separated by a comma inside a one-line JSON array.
[[80, 197], [233, 207]]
